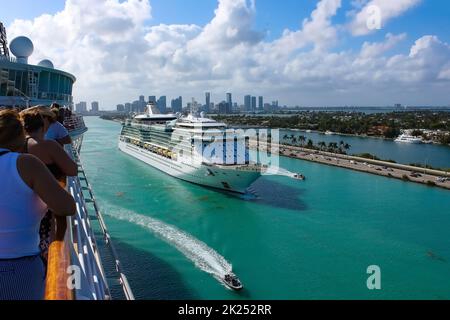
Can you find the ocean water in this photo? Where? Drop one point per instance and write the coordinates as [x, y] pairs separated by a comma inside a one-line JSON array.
[[299, 240]]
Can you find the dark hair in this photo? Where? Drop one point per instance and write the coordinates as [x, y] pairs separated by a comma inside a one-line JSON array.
[[55, 106], [11, 129], [32, 120]]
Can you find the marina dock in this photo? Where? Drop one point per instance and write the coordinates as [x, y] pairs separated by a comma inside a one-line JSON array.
[[382, 168]]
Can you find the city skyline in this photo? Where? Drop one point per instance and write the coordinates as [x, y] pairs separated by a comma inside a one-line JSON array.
[[315, 53], [227, 105]]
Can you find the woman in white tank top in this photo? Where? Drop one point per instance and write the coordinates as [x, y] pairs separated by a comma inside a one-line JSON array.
[[27, 189]]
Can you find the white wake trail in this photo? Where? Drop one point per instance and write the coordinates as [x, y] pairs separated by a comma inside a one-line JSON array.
[[204, 257]]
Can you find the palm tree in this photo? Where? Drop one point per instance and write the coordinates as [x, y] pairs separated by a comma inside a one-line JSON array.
[[302, 140], [332, 147], [310, 144], [322, 145], [294, 140]]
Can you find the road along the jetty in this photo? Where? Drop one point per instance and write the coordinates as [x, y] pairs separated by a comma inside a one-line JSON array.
[[382, 168]]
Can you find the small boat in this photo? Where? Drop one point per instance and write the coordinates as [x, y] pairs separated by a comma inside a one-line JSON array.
[[299, 176], [407, 138], [232, 281]]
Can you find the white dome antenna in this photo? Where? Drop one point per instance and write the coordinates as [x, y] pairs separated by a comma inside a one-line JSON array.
[[22, 48], [46, 64]]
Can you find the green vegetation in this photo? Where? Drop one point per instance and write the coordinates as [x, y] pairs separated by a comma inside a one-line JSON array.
[[300, 141], [113, 117], [386, 125]]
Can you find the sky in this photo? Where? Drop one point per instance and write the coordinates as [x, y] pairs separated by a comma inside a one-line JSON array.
[[300, 52]]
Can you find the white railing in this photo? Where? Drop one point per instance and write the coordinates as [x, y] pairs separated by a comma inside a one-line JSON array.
[[74, 122], [84, 239]]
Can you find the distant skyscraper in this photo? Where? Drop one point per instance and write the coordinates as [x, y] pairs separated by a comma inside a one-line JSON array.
[[207, 101], [81, 107], [177, 105], [141, 105], [152, 99], [223, 107], [120, 108], [128, 107], [253, 104], [230, 100], [261, 103], [135, 106], [94, 106], [275, 105], [248, 103], [162, 104]]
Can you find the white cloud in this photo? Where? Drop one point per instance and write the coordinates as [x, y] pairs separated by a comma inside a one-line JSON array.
[[116, 56], [370, 50], [387, 8]]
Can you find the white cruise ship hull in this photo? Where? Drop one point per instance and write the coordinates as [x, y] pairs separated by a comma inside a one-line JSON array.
[[225, 178]]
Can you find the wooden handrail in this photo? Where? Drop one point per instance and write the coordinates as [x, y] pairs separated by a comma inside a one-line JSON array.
[[56, 287]]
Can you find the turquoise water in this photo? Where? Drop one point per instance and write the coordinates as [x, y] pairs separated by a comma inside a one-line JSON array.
[[300, 240]]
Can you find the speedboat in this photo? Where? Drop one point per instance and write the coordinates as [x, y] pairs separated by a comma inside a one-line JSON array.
[[299, 176], [232, 281]]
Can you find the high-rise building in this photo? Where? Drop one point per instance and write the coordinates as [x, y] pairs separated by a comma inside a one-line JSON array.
[[162, 104], [230, 100], [152, 99], [253, 104], [224, 108], [81, 107], [177, 105], [261, 103], [274, 105], [128, 107], [207, 101], [248, 103], [95, 106], [135, 106], [142, 104], [120, 108]]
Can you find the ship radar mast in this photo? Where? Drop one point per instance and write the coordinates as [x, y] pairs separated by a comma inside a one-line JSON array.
[[4, 51]]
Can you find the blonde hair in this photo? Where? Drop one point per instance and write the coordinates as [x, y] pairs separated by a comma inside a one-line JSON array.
[[12, 135]]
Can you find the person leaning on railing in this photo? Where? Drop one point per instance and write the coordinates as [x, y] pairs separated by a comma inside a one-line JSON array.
[[53, 156], [27, 190], [57, 131]]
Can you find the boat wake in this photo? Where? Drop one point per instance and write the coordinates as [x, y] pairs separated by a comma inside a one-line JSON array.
[[204, 257]]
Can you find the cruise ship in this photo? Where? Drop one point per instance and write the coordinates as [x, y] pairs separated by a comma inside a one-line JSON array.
[[77, 246], [192, 148]]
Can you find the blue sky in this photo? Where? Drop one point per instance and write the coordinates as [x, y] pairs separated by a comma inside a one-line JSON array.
[[325, 63], [430, 17]]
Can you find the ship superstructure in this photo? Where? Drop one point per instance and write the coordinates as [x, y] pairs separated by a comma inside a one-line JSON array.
[[192, 148]]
